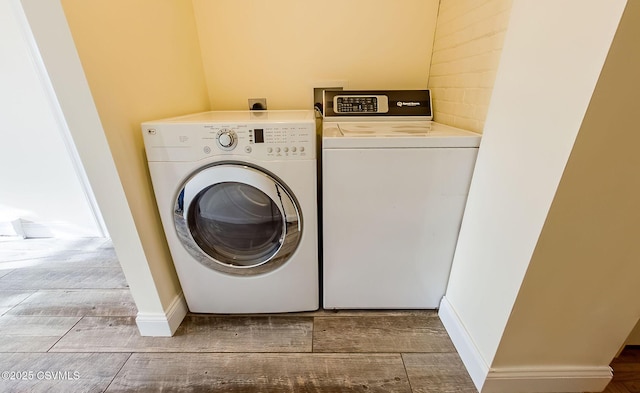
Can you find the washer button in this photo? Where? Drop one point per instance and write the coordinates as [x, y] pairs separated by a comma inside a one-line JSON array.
[[293, 149], [301, 148], [247, 149], [269, 150], [286, 149], [277, 150], [206, 150]]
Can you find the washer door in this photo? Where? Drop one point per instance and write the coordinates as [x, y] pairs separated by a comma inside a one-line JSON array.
[[237, 219]]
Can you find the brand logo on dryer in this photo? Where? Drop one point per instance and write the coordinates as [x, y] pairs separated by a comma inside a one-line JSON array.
[[400, 104]]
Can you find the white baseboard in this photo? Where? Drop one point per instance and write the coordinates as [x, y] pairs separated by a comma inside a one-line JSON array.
[[163, 324], [476, 366], [549, 379]]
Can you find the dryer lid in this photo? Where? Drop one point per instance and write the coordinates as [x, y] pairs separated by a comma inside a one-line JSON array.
[[396, 134], [387, 129]]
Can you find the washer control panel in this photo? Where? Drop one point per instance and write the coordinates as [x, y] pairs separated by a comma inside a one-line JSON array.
[[264, 141]]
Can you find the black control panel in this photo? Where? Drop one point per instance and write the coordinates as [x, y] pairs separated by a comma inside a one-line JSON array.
[[377, 103]]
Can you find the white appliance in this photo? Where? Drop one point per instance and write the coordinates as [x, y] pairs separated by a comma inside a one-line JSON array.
[[394, 190], [236, 192]]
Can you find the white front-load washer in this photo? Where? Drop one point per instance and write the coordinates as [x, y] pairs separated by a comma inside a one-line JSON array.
[[394, 189], [236, 193]]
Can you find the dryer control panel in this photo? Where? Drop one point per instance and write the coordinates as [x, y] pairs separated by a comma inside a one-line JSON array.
[[361, 104], [266, 135], [372, 104]]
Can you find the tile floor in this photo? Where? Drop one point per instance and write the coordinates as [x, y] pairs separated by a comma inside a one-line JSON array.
[[67, 323]]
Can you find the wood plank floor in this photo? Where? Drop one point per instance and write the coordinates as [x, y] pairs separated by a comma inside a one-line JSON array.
[[626, 372], [67, 324]]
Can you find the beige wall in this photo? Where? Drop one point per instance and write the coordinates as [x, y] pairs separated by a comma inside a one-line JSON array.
[[580, 297], [634, 337], [535, 297], [142, 62], [279, 49], [466, 52], [520, 163]]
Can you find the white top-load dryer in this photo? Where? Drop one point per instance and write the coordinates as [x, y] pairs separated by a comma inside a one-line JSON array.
[[394, 188]]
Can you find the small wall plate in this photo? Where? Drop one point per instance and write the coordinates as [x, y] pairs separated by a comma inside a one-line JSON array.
[[257, 104]]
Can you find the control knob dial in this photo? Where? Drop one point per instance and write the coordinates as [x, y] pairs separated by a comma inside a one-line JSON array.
[[227, 139]]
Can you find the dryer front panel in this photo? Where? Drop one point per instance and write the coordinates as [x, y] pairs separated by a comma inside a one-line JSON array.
[[237, 219]]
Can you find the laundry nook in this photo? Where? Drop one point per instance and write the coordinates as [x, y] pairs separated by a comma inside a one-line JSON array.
[[339, 196]]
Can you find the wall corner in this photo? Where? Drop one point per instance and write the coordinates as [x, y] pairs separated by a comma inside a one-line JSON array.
[[163, 324]]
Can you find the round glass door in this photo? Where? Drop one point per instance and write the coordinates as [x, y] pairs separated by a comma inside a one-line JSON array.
[[237, 219]]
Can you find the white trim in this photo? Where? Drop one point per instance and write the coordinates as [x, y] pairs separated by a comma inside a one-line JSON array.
[[163, 324], [476, 366], [551, 379], [518, 379]]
